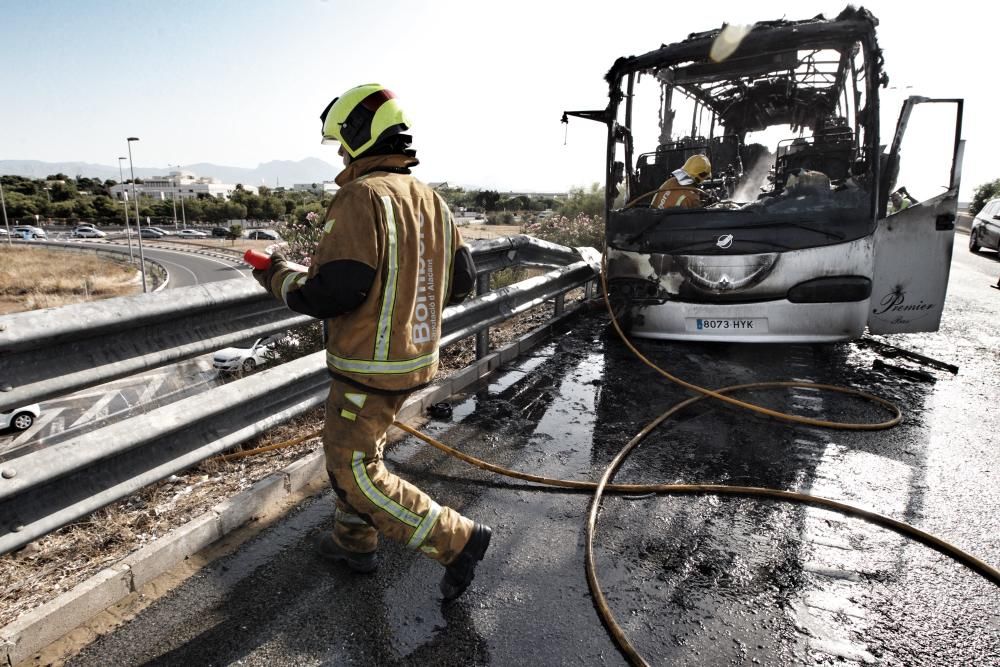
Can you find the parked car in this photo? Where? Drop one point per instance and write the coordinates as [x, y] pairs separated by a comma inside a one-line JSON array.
[[264, 235], [985, 232], [20, 418], [247, 357], [33, 232], [88, 232], [191, 234], [150, 233], [3, 231], [220, 231]]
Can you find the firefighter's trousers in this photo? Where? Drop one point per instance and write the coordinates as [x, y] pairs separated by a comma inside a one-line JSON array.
[[371, 499]]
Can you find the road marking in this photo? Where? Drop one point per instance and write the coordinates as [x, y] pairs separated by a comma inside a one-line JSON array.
[[58, 425], [94, 410], [151, 389]]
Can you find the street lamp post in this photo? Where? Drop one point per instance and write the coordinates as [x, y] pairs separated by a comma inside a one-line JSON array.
[[128, 231], [138, 222], [6, 223], [176, 192]]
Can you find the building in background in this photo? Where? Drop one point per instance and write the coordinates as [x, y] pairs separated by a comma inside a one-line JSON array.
[[322, 188], [182, 184]]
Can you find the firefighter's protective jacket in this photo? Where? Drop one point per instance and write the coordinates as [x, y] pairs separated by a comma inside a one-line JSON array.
[[389, 260], [672, 194]]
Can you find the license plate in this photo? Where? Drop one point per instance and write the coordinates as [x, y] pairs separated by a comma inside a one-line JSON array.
[[727, 325]]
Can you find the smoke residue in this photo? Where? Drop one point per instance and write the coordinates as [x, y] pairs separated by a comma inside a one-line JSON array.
[[754, 179]]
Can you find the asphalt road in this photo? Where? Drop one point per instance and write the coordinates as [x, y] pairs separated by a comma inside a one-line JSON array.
[[693, 580], [185, 268]]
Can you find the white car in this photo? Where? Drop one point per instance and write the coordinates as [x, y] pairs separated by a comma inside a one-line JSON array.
[[247, 358], [29, 231], [20, 418], [191, 234], [88, 232], [263, 235]]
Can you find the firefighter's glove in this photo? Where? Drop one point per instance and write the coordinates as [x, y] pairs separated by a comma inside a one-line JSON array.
[[264, 276]]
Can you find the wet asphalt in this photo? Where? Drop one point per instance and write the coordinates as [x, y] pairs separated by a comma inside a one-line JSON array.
[[692, 580]]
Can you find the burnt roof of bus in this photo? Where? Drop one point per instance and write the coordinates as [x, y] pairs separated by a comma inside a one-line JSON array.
[[782, 71]]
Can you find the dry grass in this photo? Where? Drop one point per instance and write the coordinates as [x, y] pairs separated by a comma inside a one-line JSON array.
[[32, 278], [478, 231]]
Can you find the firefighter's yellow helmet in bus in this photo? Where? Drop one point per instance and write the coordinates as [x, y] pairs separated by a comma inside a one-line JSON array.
[[698, 168], [361, 117]]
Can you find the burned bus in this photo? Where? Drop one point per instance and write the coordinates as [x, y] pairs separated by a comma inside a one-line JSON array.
[[796, 237]]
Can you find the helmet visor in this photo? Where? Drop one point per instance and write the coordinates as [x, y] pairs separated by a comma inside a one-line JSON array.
[[322, 119]]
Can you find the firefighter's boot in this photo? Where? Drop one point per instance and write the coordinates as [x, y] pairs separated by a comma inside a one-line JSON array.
[[461, 571], [327, 547]]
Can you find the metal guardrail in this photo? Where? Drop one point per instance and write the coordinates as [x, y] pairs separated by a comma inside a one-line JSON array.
[[46, 353]]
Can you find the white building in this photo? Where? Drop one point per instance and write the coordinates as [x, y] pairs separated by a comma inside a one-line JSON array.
[[182, 184], [324, 188]]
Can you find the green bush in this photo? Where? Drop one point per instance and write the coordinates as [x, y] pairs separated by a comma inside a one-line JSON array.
[[503, 218], [588, 202], [508, 276], [582, 230]]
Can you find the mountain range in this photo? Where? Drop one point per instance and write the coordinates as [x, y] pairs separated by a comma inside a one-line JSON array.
[[271, 174]]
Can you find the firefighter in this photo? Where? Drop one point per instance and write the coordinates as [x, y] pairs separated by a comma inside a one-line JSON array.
[[899, 200], [680, 189], [389, 260]]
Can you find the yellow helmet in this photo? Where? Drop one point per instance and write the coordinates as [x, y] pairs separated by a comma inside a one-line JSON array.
[[362, 116], [698, 167]]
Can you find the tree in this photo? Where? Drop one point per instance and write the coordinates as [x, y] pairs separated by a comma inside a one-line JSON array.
[[518, 203], [63, 209], [487, 200], [84, 209], [63, 191], [983, 194], [234, 211], [105, 207], [272, 208], [25, 186], [20, 205], [587, 202]]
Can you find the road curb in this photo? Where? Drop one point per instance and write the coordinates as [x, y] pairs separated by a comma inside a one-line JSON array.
[[36, 629]]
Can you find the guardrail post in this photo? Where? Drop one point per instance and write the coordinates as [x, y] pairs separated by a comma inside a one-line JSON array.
[[483, 337], [560, 304]]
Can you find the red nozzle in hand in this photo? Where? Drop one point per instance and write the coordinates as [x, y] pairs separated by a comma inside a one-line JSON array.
[[257, 259]]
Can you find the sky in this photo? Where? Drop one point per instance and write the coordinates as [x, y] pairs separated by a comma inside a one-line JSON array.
[[485, 84]]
